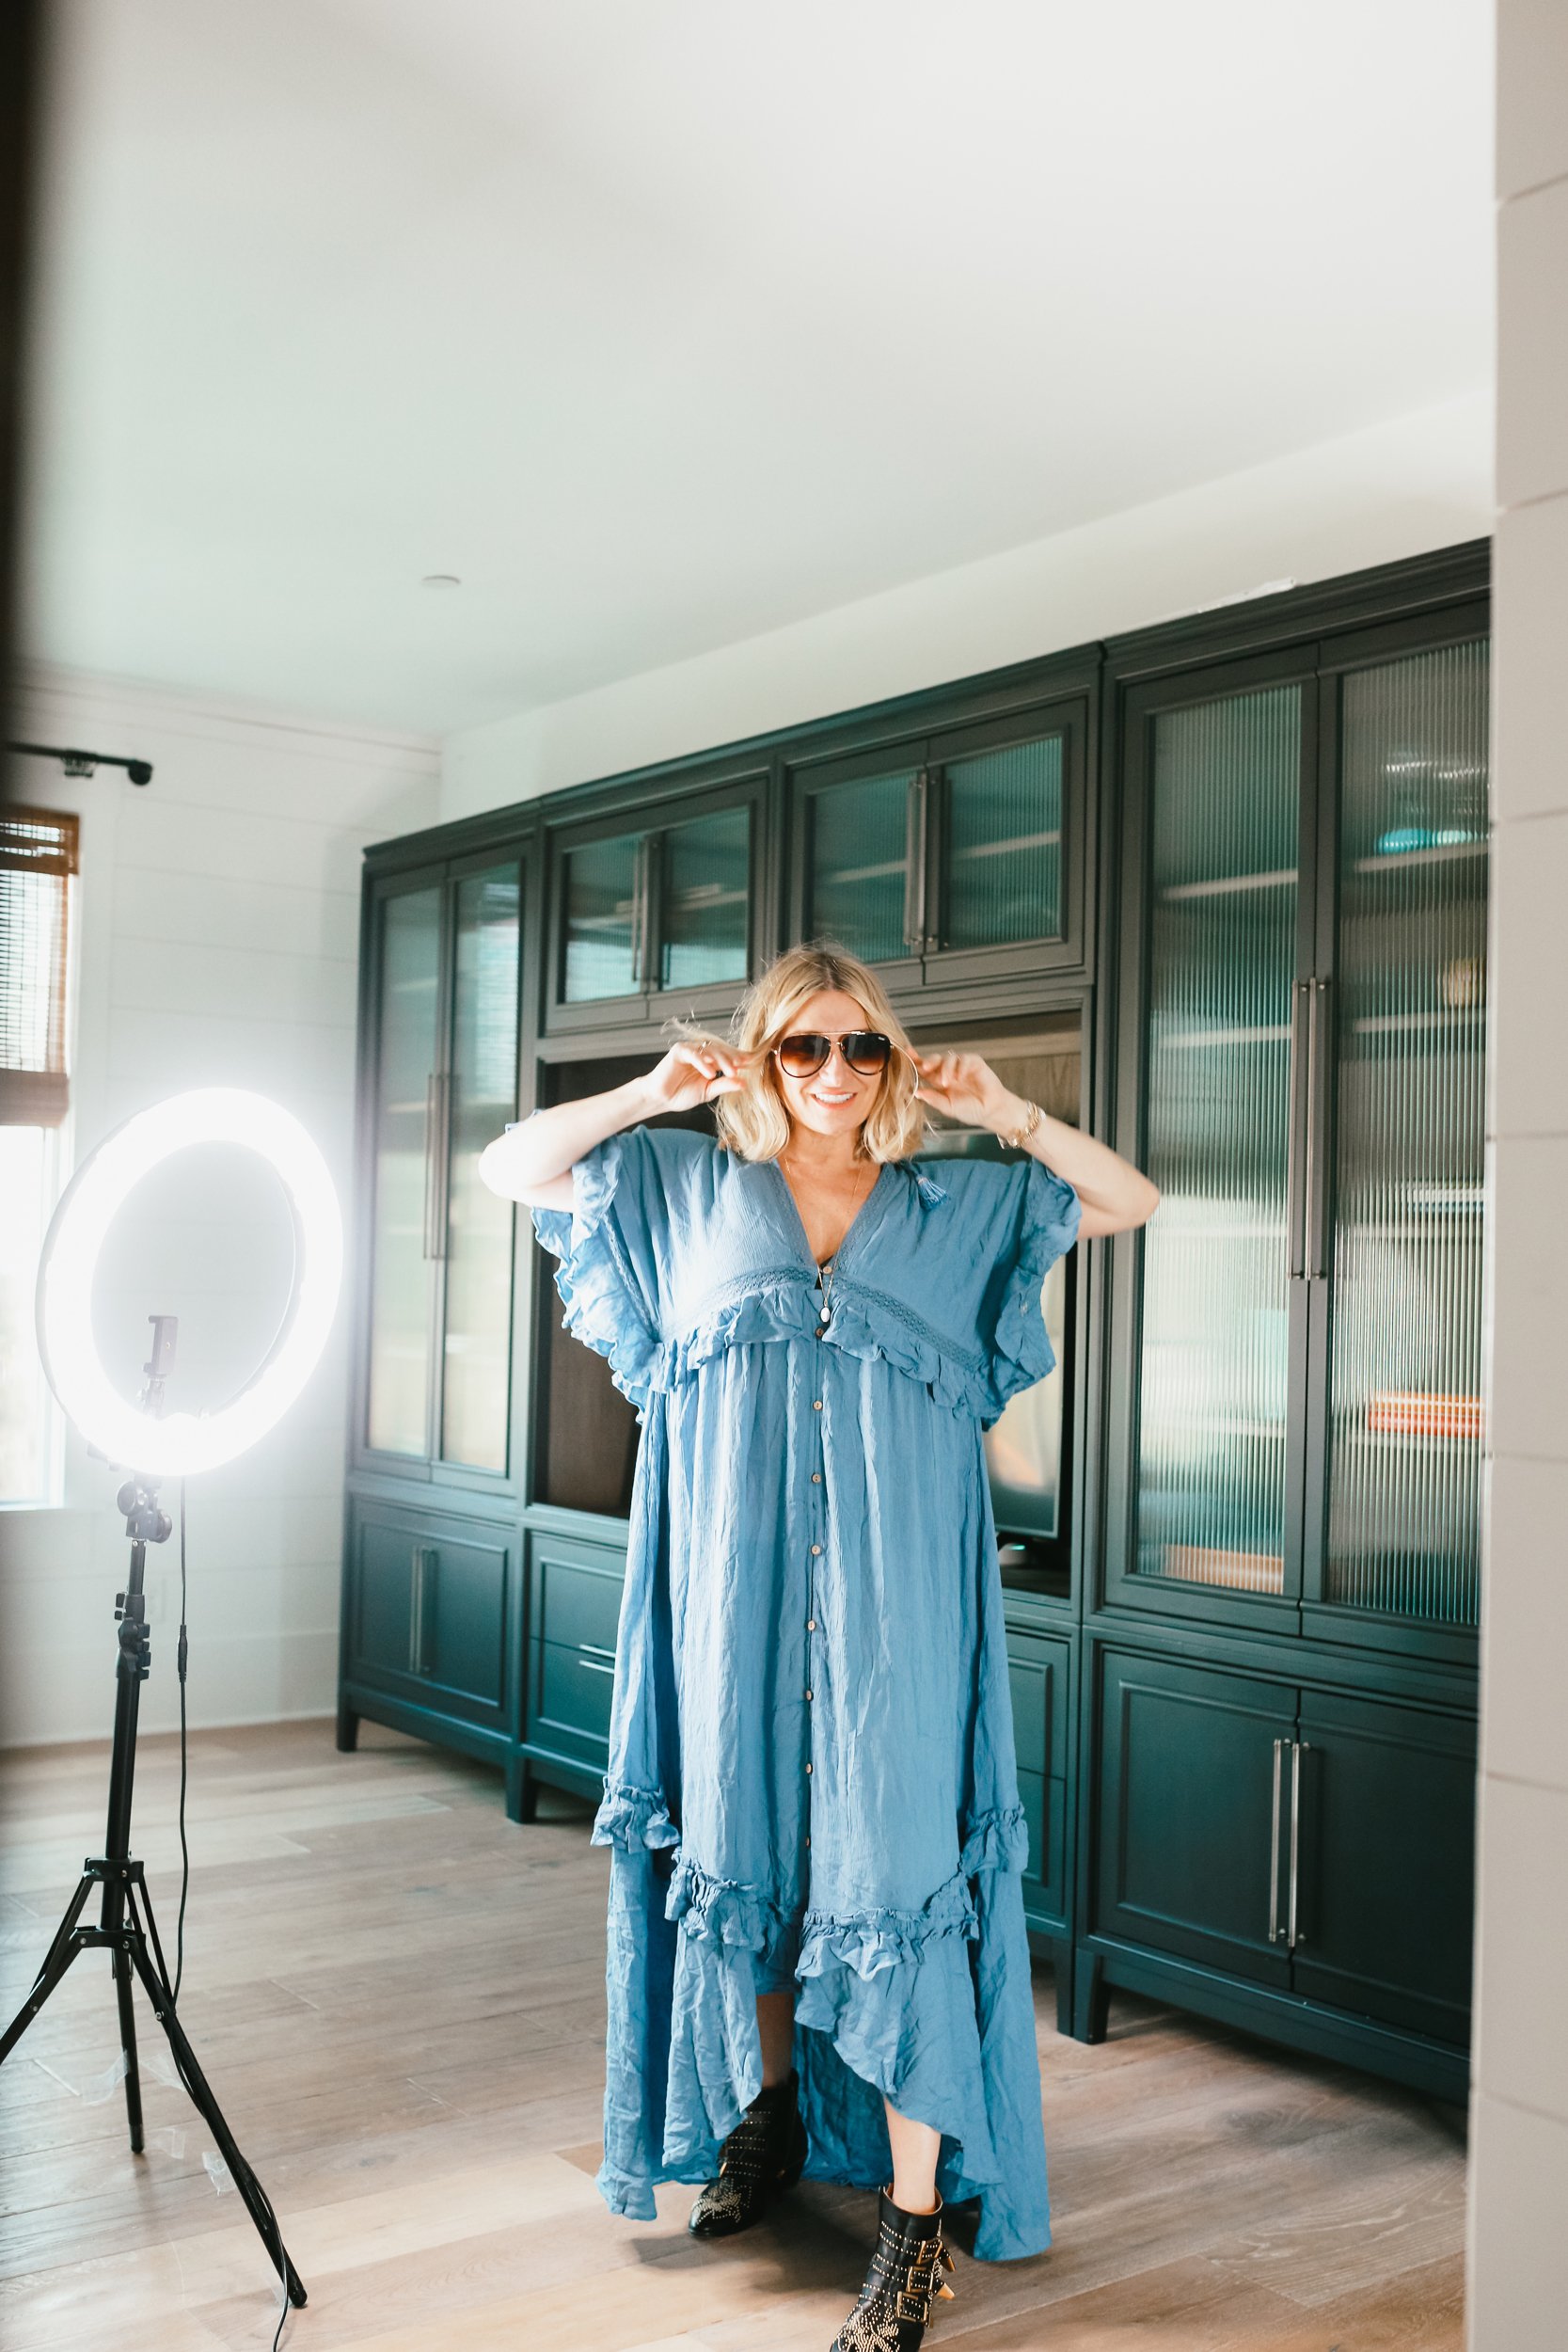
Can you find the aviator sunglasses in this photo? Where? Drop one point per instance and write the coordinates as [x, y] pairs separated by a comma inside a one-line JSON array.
[[866, 1051]]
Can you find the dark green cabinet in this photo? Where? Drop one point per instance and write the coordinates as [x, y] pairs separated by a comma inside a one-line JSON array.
[[647, 915], [954, 857], [438, 1081], [429, 1615], [1386, 1890], [1315, 1842], [1298, 1437], [574, 1609], [1219, 889], [1188, 1855], [1039, 1677]]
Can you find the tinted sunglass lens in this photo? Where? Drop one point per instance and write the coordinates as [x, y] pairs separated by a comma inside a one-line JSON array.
[[866, 1051], [803, 1056]]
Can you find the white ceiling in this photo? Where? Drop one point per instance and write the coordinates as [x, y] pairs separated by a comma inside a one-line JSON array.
[[665, 322]]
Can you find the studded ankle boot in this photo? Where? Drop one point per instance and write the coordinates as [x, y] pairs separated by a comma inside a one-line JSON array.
[[764, 2152], [904, 2280]]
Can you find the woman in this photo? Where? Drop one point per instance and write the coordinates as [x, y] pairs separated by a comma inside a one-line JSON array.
[[818, 1954]]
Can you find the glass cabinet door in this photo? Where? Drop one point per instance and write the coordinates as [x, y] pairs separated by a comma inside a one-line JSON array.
[[1405, 1437], [1001, 848], [858, 865], [704, 894], [480, 1095], [403, 1262], [1210, 1490], [601, 907]]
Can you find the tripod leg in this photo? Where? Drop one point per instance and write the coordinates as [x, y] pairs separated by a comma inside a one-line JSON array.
[[128, 2043], [196, 2082], [55, 1962]]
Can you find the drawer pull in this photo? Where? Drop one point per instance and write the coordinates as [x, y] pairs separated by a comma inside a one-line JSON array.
[[424, 1554], [1298, 1749], [596, 1666], [1273, 1847]]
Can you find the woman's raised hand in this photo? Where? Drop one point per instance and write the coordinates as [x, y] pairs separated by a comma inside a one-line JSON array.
[[962, 1086], [689, 1074]]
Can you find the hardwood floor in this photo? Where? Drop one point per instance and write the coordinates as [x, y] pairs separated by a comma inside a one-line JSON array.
[[398, 1997]]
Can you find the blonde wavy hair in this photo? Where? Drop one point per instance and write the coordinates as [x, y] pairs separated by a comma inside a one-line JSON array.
[[755, 1122]]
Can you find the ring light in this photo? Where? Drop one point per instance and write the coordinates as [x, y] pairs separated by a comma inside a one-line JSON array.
[[183, 1443]]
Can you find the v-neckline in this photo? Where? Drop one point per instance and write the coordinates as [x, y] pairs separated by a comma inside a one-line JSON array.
[[819, 1266]]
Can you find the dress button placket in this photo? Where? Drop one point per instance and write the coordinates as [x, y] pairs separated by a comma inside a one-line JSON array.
[[824, 1285]]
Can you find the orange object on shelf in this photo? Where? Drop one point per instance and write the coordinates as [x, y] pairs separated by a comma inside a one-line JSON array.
[[1240, 1571], [1410, 1413]]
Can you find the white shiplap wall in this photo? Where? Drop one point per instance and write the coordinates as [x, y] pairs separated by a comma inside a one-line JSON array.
[[1518, 2288], [219, 923]]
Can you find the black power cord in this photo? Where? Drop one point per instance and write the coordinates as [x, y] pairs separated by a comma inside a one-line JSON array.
[[182, 1660]]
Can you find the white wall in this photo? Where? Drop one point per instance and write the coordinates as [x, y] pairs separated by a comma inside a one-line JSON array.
[[218, 920], [1519, 2139], [1419, 482]]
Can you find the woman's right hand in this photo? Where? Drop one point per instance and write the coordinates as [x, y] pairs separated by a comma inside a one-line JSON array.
[[689, 1074]]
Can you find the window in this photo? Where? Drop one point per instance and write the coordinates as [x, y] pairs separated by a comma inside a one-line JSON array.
[[38, 862]]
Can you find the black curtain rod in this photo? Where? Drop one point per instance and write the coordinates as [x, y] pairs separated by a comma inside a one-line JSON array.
[[83, 763]]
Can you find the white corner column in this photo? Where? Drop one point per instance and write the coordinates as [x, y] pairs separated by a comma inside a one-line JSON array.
[[1518, 2218]]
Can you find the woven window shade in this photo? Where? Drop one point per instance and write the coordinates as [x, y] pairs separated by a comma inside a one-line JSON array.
[[38, 858]]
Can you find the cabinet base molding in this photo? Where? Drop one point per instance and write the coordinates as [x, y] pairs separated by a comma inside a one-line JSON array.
[[1436, 2068]]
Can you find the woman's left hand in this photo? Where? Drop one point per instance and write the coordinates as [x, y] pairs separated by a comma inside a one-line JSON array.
[[962, 1086]]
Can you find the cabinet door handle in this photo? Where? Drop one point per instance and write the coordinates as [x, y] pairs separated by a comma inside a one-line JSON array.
[[417, 1611], [1295, 1212], [1298, 1749], [638, 907], [914, 864], [598, 1665], [430, 1086], [1273, 1847], [441, 1160], [1317, 1174]]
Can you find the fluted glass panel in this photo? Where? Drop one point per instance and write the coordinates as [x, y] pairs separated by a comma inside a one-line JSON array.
[[704, 899], [1210, 1499], [859, 862], [484, 1095], [402, 1272], [1405, 1432], [599, 910], [1003, 863]]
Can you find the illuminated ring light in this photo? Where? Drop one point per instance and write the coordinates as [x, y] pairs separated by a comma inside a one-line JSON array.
[[181, 1443]]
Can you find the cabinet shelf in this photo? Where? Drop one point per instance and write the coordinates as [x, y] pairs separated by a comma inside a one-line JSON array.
[[1225, 885]]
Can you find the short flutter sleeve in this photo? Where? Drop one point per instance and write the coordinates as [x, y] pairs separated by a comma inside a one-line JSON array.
[[615, 1247], [1038, 1224]]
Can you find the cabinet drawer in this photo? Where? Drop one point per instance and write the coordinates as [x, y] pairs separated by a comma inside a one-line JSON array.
[[1044, 1802], [569, 1695], [1037, 1668], [575, 1598]]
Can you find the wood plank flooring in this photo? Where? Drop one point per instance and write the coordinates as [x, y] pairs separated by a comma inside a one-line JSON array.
[[398, 1997]]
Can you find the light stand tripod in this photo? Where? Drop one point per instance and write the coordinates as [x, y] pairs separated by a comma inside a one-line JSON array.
[[132, 1944]]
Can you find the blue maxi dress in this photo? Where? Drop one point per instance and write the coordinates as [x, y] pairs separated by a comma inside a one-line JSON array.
[[812, 1778]]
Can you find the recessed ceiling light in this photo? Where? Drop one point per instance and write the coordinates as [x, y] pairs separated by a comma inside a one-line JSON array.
[[440, 579]]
